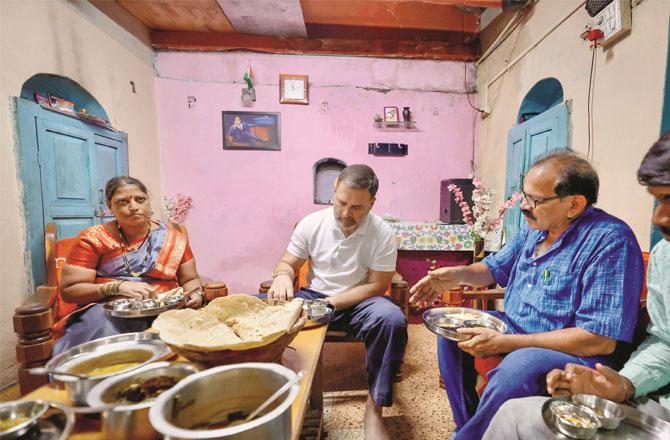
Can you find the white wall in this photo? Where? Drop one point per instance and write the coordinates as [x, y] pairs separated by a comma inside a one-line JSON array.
[[627, 103], [54, 36]]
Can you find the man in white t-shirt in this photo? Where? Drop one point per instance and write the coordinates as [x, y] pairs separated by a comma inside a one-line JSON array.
[[352, 257]]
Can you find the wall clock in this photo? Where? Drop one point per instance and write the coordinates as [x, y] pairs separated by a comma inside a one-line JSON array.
[[293, 89]]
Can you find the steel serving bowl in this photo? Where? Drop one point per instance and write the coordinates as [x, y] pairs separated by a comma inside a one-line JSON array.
[[575, 421], [141, 348], [131, 420], [609, 413], [445, 321], [196, 406], [24, 413]]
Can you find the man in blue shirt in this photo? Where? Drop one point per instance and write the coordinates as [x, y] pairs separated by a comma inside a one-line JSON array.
[[573, 281], [646, 375]]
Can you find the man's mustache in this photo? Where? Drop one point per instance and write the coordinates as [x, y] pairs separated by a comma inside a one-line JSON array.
[[528, 214]]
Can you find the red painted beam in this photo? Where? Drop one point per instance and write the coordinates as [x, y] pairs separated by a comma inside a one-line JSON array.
[[215, 41]]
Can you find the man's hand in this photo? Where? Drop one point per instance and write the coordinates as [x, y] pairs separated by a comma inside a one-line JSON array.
[[137, 290], [281, 289], [433, 285], [485, 342], [557, 383], [579, 379]]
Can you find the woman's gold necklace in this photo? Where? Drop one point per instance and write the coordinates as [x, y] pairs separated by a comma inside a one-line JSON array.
[[124, 250]]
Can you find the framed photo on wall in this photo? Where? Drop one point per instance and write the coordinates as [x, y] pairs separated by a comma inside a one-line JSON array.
[[251, 130], [391, 115]]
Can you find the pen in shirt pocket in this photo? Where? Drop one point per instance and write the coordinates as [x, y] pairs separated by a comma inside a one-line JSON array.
[[545, 275]]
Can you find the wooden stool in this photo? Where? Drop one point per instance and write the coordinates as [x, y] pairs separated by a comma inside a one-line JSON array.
[[215, 290], [33, 324], [265, 286], [400, 296]]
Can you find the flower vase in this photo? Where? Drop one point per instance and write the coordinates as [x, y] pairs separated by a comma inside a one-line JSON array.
[[478, 250]]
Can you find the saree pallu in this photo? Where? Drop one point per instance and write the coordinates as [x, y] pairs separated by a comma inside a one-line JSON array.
[[156, 262]]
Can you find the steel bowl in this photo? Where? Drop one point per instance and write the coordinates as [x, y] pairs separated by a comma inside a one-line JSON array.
[[609, 413], [130, 421], [575, 421], [318, 312], [141, 348], [16, 411], [196, 407]]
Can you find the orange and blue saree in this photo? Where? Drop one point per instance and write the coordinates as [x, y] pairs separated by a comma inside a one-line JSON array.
[[100, 248]]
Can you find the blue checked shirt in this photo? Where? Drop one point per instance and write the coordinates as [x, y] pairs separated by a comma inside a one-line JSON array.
[[591, 278]]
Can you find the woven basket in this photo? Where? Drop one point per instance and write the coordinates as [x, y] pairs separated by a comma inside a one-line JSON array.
[[271, 352]]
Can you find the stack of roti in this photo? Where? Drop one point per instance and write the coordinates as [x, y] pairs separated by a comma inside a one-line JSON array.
[[235, 322]]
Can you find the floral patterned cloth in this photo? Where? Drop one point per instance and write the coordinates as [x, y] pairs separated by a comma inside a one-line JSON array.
[[439, 237]]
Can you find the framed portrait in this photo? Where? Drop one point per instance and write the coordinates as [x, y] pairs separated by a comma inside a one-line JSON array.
[[251, 130], [391, 115]]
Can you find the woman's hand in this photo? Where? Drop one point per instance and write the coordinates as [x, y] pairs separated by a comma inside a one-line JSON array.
[[137, 290], [195, 299]]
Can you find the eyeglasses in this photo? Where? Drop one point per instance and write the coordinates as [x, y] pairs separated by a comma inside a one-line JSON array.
[[534, 201]]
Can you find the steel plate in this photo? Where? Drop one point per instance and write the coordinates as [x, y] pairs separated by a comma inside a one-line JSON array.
[[441, 322], [133, 308], [636, 425]]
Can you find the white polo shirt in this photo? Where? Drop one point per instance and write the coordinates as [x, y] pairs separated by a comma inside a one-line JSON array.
[[338, 263]]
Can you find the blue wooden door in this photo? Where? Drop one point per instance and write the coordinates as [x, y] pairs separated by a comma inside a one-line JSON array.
[[64, 163], [526, 142], [111, 160], [68, 171], [513, 180]]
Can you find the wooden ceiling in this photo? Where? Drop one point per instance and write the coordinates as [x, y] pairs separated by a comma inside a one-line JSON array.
[[426, 29]]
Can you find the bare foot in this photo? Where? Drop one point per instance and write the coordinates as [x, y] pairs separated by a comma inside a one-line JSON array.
[[373, 424]]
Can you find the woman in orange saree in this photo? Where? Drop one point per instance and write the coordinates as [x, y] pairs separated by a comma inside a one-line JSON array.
[[133, 256]]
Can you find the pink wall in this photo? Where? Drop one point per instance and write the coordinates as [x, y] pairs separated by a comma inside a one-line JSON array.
[[246, 202]]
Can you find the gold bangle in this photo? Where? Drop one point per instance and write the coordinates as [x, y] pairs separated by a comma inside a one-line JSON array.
[[282, 272], [110, 288]]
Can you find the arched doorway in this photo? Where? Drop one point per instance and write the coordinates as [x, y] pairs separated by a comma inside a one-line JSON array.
[[325, 172], [67, 152], [542, 126]]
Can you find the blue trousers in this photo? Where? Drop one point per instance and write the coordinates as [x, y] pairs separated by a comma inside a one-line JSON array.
[[381, 325], [521, 373]]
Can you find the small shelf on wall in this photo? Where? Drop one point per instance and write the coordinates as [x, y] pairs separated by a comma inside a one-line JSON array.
[[387, 149], [395, 126]]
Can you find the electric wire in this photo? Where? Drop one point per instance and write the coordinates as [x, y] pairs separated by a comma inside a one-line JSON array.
[[589, 107]]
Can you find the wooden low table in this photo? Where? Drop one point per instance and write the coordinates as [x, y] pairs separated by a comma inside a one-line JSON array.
[[304, 353]]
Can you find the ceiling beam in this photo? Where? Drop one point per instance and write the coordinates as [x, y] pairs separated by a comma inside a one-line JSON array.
[[216, 41]]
